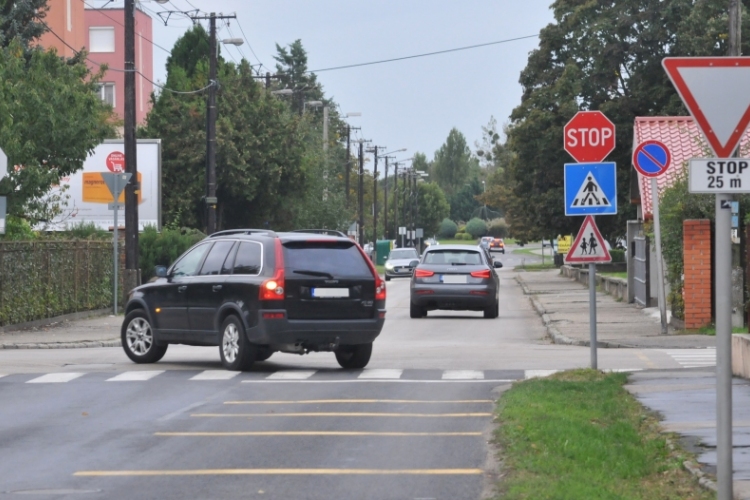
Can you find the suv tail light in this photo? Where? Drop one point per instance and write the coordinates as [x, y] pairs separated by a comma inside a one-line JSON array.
[[421, 273], [273, 289], [481, 274], [379, 283]]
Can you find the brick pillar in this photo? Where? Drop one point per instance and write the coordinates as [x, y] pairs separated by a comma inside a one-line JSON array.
[[697, 269]]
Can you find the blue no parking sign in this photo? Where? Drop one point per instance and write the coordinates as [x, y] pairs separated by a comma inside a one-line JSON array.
[[590, 188], [651, 158]]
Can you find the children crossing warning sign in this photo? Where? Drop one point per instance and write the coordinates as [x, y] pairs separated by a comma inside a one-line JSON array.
[[590, 188], [589, 246]]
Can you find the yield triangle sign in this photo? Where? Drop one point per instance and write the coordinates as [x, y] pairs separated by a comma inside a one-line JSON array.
[[716, 91], [588, 246], [590, 194]]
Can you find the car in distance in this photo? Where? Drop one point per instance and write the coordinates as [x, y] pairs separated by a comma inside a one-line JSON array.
[[256, 292], [497, 245], [400, 263], [457, 278]]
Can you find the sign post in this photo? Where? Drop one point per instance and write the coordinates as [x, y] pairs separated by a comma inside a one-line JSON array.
[[652, 159], [116, 184], [715, 91], [590, 188]]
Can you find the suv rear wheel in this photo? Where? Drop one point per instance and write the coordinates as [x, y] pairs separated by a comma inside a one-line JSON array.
[[137, 338], [416, 311], [236, 352], [354, 356]]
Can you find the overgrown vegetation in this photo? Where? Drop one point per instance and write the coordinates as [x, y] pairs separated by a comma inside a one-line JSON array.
[[579, 434], [162, 249]]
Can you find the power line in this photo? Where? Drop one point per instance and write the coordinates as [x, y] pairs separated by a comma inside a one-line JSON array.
[[423, 55], [248, 44], [118, 22]]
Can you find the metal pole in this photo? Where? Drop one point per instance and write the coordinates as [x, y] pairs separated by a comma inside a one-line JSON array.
[[723, 279], [385, 201], [114, 243], [348, 163], [592, 313], [325, 153], [131, 163], [661, 293], [375, 200], [395, 200], [211, 132]]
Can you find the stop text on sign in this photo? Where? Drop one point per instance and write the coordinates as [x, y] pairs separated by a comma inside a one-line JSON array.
[[589, 136], [719, 175]]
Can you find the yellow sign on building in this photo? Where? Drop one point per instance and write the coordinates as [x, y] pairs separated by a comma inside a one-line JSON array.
[[563, 244]]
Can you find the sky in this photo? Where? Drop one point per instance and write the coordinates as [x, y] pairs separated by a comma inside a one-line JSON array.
[[412, 103]]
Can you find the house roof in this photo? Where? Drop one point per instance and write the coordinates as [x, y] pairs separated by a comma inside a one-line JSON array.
[[683, 138]]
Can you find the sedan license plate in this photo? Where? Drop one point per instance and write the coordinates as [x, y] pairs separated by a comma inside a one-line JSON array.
[[452, 279], [330, 293]]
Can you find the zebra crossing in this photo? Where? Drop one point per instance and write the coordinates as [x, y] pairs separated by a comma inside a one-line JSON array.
[[693, 358]]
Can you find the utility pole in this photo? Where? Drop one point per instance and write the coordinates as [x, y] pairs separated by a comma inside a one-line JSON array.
[[131, 276], [348, 164], [211, 199], [374, 151], [360, 192], [385, 201], [723, 283], [395, 200]]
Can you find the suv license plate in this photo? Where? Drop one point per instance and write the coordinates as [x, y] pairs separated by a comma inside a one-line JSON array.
[[448, 278], [335, 293]]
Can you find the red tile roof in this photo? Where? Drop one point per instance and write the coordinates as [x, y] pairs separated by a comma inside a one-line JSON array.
[[683, 138]]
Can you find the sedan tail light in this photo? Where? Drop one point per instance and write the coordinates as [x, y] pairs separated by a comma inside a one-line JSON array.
[[485, 273], [422, 273]]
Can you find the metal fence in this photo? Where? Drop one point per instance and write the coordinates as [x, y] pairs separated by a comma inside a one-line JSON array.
[[641, 254]]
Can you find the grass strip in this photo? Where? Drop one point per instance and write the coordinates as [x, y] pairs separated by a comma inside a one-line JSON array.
[[581, 435], [536, 267]]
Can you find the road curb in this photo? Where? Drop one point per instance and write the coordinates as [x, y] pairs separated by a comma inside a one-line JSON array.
[[64, 345]]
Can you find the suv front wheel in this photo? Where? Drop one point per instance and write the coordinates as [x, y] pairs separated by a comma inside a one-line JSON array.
[[236, 352], [354, 356], [137, 338]]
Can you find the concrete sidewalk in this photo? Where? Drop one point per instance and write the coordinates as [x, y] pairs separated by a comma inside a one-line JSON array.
[[564, 306], [66, 333]]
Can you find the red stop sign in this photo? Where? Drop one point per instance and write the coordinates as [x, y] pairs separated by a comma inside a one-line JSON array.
[[589, 136]]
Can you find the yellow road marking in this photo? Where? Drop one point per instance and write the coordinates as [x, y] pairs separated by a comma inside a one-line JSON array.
[[287, 472], [340, 414], [645, 358], [317, 433], [357, 401]]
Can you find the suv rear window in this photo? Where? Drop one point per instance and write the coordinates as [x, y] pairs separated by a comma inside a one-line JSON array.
[[453, 257], [340, 259]]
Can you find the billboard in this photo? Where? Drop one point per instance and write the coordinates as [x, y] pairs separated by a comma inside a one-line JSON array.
[[88, 199]]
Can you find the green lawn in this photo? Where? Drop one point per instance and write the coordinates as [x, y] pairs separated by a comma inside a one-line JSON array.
[[580, 435], [623, 275]]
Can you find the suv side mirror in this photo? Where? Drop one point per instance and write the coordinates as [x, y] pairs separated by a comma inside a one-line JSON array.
[[498, 264], [160, 271]]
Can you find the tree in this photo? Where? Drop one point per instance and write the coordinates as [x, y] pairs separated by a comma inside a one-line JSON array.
[[463, 202], [596, 58], [50, 121], [291, 68], [22, 20], [452, 166], [433, 207]]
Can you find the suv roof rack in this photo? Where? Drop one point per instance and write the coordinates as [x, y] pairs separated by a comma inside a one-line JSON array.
[[242, 231], [329, 232]]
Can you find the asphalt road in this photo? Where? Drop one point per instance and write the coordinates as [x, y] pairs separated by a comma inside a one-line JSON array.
[[87, 423]]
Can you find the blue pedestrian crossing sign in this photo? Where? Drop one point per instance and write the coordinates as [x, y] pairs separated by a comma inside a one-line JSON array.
[[591, 188]]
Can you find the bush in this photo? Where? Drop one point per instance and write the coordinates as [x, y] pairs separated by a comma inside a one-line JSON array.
[[86, 231], [498, 228], [17, 229], [161, 249], [476, 228], [462, 228], [448, 229], [617, 254]]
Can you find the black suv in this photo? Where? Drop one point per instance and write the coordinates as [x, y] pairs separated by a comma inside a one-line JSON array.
[[255, 292]]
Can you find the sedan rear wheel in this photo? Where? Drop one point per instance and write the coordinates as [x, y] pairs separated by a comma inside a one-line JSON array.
[[137, 338], [236, 352], [353, 357]]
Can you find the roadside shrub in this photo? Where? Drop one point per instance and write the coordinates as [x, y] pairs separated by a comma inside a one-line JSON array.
[[461, 228], [476, 228], [161, 249], [85, 231], [17, 229], [448, 229], [498, 228], [617, 254]]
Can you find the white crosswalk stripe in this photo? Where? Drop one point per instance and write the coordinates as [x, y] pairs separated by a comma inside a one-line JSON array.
[[381, 373], [291, 375], [693, 358], [55, 378], [463, 375], [3, 375], [138, 376], [215, 375]]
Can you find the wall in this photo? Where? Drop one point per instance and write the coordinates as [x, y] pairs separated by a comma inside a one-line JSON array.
[[697, 292]]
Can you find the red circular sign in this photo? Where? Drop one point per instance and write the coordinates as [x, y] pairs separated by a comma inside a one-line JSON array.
[[651, 158], [115, 162], [589, 136]]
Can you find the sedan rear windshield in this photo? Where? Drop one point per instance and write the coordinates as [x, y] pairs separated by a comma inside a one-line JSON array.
[[453, 257], [339, 259]]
